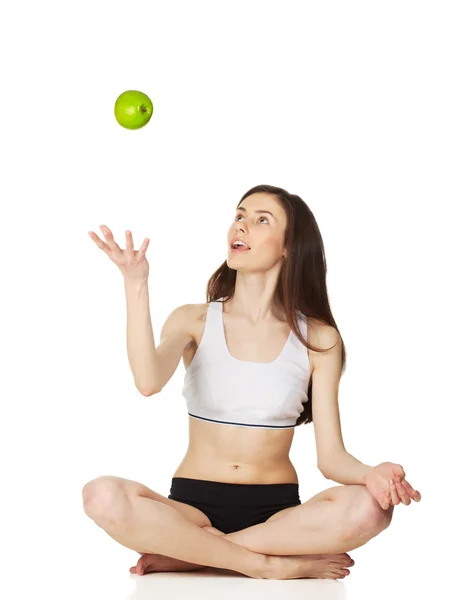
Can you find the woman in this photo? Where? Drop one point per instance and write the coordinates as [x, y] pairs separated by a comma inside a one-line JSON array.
[[262, 356]]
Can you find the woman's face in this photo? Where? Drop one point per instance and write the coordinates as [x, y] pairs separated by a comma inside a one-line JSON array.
[[261, 231]]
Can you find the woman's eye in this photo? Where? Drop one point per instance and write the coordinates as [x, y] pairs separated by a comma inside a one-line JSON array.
[[243, 215]]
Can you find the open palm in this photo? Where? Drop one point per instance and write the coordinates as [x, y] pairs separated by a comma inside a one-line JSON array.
[[132, 263], [378, 481]]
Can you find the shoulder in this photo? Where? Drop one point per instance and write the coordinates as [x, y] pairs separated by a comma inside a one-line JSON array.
[[198, 312], [185, 317], [194, 316], [323, 336], [190, 312], [186, 320]]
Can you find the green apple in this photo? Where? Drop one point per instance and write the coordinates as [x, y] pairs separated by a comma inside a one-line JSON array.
[[133, 109]]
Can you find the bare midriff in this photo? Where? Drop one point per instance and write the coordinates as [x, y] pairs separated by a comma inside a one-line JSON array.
[[232, 454]]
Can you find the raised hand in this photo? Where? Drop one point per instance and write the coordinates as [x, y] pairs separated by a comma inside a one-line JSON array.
[[132, 264]]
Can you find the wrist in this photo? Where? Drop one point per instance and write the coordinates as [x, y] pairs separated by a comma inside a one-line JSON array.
[[136, 288], [367, 473], [135, 282]]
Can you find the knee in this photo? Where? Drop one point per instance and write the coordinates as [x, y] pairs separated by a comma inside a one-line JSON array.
[[368, 518], [104, 499]]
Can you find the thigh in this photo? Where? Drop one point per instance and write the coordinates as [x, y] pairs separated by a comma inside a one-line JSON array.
[[342, 493], [134, 488]]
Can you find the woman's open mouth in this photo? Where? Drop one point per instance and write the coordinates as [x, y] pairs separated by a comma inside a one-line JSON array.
[[238, 245], [239, 249]]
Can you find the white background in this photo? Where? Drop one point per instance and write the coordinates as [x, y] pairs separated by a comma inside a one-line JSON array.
[[358, 107]]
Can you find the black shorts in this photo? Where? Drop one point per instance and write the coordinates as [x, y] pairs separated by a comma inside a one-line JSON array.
[[234, 506]]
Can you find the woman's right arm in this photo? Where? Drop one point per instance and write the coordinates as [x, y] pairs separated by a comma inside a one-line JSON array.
[[152, 367]]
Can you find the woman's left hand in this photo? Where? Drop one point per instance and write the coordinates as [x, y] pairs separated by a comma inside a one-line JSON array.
[[387, 484]]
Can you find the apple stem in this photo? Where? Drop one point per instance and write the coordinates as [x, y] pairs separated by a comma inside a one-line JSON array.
[[143, 109]]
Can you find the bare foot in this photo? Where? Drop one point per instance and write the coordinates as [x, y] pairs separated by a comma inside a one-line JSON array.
[[315, 566], [149, 563]]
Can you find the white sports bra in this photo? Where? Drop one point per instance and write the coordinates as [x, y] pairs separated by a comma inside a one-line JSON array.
[[222, 389]]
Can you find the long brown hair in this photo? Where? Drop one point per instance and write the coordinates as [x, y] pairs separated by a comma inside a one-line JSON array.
[[302, 279]]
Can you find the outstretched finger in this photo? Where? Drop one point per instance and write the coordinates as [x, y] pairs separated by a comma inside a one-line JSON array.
[[129, 241], [143, 248], [110, 239], [99, 242]]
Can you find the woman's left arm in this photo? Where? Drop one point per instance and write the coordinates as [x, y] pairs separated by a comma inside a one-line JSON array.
[[386, 482]]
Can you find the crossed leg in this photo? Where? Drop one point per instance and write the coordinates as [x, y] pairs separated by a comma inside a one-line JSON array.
[[333, 521], [350, 505], [336, 520]]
